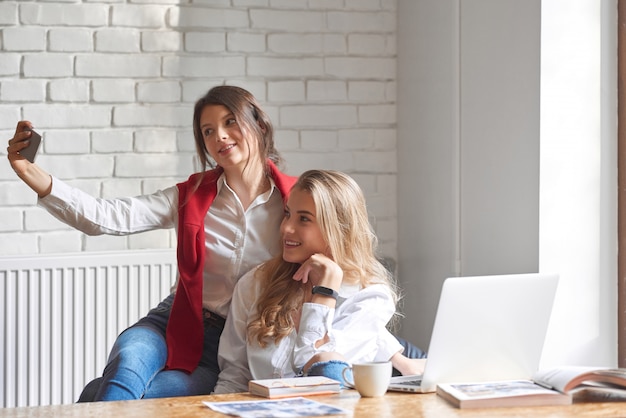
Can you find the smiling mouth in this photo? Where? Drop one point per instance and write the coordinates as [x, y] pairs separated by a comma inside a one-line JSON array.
[[227, 148], [292, 243]]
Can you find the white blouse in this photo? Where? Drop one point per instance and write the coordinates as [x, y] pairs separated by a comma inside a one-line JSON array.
[[356, 329], [236, 240]]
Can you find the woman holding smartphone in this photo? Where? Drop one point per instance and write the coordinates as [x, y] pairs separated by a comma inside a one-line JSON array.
[[227, 219]]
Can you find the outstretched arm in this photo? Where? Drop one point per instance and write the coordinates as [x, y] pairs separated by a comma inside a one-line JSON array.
[[93, 216]]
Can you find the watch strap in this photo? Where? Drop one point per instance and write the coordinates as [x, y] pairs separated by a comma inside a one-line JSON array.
[[325, 291]]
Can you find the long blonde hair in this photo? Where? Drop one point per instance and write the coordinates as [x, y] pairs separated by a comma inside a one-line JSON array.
[[341, 213]]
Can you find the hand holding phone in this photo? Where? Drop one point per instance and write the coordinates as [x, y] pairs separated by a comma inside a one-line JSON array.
[[31, 150]]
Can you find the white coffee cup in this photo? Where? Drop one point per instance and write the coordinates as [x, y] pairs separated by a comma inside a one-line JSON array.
[[370, 379]]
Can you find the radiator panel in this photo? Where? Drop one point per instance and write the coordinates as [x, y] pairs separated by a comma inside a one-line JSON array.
[[60, 316]]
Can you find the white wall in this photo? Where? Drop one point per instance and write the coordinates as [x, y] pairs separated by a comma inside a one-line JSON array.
[[475, 196], [111, 86], [468, 142], [428, 157]]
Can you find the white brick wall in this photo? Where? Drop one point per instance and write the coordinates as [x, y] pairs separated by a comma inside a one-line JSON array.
[[111, 86]]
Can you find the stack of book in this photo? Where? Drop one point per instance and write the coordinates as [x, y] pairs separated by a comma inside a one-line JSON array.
[[296, 386]]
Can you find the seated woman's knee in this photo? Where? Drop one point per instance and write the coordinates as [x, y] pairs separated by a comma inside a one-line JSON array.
[[323, 357], [331, 365]]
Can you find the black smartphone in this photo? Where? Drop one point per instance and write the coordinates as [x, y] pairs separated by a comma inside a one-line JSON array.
[[31, 150]]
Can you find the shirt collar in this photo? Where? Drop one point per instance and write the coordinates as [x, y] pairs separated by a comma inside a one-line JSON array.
[[221, 182]]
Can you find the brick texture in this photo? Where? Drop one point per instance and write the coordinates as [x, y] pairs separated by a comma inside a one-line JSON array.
[[111, 86]]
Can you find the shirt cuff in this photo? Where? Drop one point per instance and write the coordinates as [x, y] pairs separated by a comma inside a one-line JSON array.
[[388, 346], [58, 197], [316, 319]]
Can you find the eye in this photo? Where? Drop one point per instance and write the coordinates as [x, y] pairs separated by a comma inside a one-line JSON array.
[[207, 132], [286, 214], [231, 121], [304, 218]]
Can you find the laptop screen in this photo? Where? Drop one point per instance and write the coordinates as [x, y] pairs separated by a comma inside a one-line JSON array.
[[489, 328]]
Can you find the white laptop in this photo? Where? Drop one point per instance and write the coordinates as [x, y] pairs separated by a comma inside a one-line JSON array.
[[486, 328]]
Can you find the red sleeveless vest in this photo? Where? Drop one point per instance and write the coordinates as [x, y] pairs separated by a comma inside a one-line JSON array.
[[185, 329]]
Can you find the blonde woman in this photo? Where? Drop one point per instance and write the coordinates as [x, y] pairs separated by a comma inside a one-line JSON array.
[[321, 304]]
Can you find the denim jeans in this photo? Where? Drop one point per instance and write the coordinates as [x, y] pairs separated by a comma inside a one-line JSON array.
[[135, 368]]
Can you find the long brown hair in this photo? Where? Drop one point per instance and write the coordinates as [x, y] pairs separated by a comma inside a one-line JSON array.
[[341, 213], [249, 115]]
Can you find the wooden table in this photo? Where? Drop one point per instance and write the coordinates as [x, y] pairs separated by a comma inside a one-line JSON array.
[[396, 405]]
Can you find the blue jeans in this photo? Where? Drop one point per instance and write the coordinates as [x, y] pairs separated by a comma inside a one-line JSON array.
[[135, 368]]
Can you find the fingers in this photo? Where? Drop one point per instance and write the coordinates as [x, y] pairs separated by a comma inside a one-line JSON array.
[[310, 269], [302, 274], [22, 131], [20, 138], [24, 125], [16, 145], [319, 270]]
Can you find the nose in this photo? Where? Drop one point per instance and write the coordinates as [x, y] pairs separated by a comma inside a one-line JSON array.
[[285, 226], [221, 134]]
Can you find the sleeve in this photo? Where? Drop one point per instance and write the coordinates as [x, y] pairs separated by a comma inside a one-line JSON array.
[[233, 348], [388, 346], [120, 216], [353, 327]]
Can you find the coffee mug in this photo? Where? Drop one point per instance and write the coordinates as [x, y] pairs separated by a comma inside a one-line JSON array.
[[370, 379]]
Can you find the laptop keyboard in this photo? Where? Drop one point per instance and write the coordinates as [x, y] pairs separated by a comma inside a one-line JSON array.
[[416, 382]]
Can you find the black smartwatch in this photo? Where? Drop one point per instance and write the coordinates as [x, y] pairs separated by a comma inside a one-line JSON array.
[[325, 291]]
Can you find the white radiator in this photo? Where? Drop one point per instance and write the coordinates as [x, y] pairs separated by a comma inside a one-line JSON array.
[[60, 314]]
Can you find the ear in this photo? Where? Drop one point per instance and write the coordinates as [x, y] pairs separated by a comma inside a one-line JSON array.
[[262, 125], [255, 114]]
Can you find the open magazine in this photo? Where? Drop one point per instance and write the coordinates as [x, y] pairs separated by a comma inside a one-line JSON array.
[[566, 378], [548, 387], [291, 407], [586, 384]]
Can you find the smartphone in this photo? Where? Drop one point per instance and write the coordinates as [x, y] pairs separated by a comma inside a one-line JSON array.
[[31, 150]]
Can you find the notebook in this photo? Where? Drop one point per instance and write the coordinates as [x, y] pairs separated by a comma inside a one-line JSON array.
[[486, 328]]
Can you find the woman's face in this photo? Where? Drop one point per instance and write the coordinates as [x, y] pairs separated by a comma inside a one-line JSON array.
[[224, 139], [300, 232]]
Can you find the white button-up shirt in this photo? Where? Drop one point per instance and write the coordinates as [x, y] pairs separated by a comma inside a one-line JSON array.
[[355, 327], [236, 239]]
